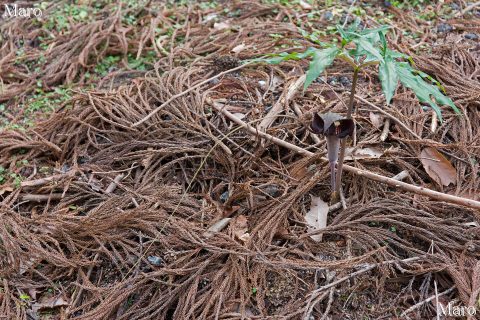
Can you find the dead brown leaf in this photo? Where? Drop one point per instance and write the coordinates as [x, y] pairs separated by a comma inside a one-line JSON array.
[[316, 217], [438, 167], [376, 119], [240, 228]]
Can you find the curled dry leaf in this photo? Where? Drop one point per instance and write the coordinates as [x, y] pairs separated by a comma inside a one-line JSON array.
[[316, 217], [438, 167], [240, 228], [376, 119], [49, 303], [239, 48], [305, 5], [239, 115], [221, 25]]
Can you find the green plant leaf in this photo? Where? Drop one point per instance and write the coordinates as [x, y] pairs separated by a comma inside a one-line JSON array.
[[423, 90], [276, 58], [321, 59], [396, 54], [380, 29], [388, 77], [365, 46]]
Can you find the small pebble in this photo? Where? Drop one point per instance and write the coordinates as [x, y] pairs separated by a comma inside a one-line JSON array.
[[328, 15], [471, 36], [332, 81], [65, 168], [224, 196], [156, 261], [272, 191], [444, 27], [345, 81]]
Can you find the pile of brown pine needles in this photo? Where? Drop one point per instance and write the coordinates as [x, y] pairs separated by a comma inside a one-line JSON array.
[[114, 217]]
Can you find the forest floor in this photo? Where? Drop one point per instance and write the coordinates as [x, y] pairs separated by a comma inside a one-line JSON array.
[[137, 183]]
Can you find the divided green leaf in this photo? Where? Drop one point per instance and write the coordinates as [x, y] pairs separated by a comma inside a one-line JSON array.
[[424, 91], [388, 77], [321, 59]]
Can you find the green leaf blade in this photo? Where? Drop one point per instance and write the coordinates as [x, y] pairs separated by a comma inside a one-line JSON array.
[[365, 47], [423, 90], [388, 77], [321, 59]]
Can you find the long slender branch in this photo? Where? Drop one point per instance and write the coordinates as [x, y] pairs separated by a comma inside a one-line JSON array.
[[421, 303], [397, 121], [364, 173]]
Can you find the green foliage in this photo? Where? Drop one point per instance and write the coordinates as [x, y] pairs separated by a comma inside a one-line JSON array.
[[388, 77], [40, 102], [320, 60], [410, 78], [25, 297], [362, 48], [61, 18], [103, 67]]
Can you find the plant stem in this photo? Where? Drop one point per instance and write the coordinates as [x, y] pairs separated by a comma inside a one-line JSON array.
[[338, 177]]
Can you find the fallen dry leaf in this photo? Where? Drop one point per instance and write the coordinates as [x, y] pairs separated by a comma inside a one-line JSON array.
[[305, 5], [240, 228], [239, 48], [5, 189], [49, 303], [316, 217], [438, 167], [221, 25], [239, 115], [376, 119], [362, 153]]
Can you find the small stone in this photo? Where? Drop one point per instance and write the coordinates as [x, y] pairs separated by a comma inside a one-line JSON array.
[[332, 81], [345, 81], [444, 27], [224, 197], [272, 190], [471, 36], [65, 168], [454, 6], [328, 15], [156, 261]]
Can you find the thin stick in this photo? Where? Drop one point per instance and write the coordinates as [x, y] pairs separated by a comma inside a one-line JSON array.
[[281, 103], [421, 303], [41, 197], [397, 121], [468, 8], [113, 185], [364, 173], [178, 95], [299, 113], [386, 130], [361, 271], [42, 181]]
